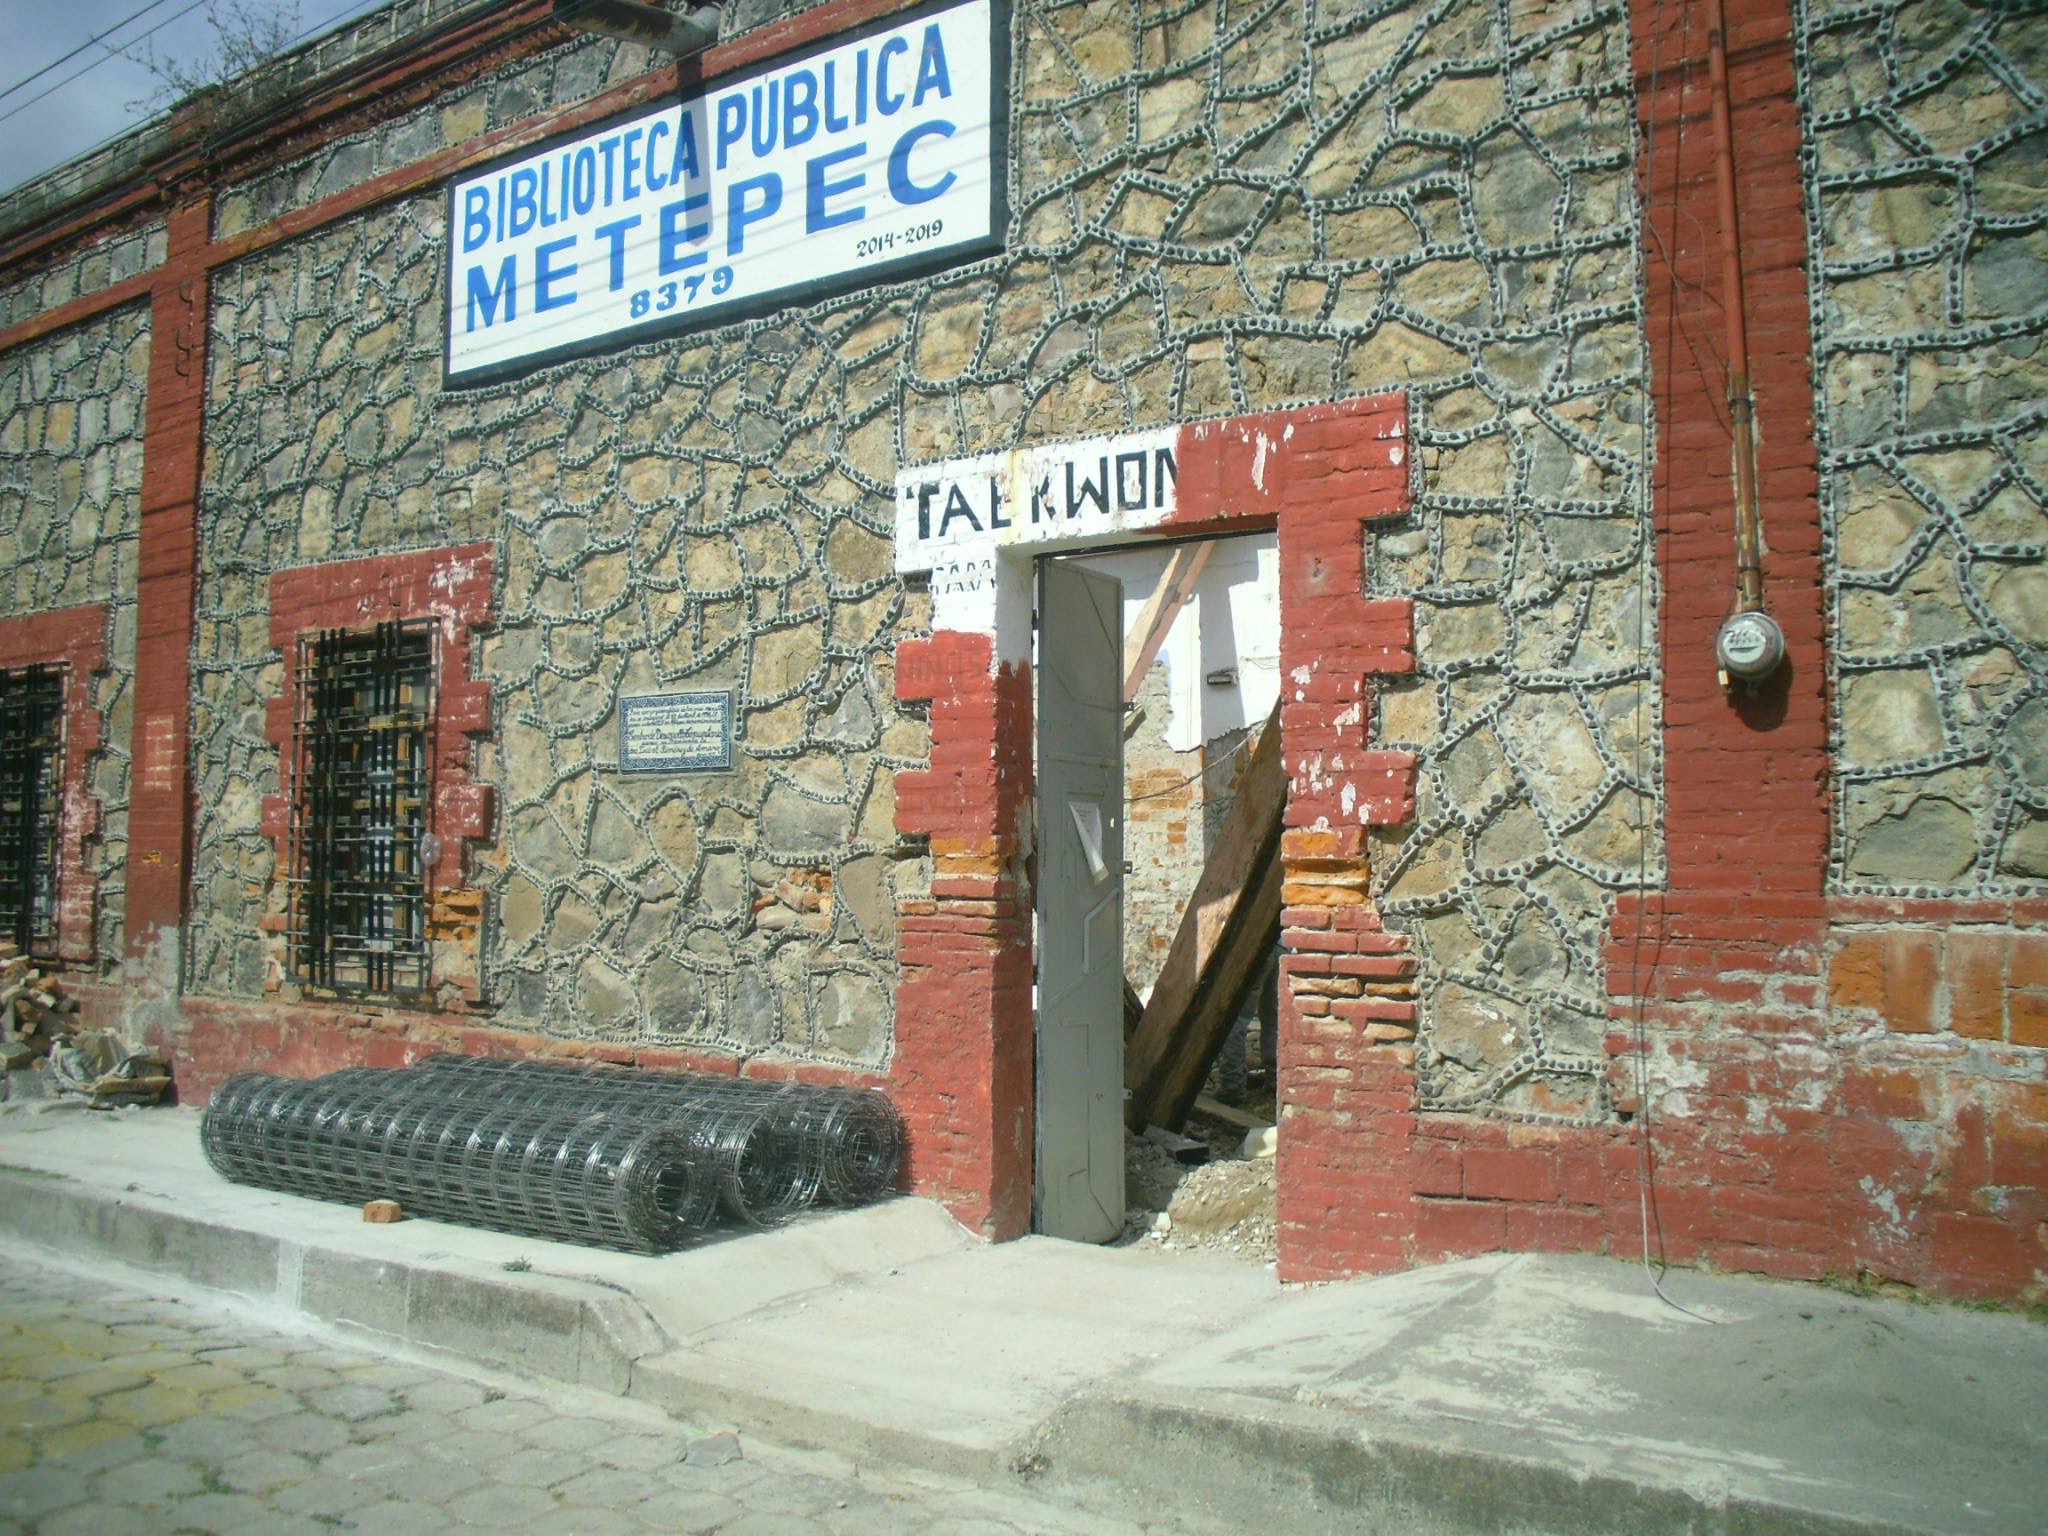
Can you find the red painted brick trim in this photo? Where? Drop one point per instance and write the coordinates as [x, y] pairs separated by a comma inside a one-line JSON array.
[[75, 311], [160, 813], [455, 586], [1746, 774], [160, 798], [964, 1030], [76, 640], [962, 1074], [1837, 1086], [1347, 1006]]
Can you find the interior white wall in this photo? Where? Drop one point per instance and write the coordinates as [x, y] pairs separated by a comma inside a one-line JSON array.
[[1231, 623]]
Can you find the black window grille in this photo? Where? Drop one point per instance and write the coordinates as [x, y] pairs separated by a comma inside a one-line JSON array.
[[361, 843], [31, 804]]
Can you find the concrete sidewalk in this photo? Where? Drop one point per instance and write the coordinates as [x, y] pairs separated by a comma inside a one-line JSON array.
[[1500, 1394]]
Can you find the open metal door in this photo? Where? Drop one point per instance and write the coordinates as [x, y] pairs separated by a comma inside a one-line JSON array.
[[1080, 1183]]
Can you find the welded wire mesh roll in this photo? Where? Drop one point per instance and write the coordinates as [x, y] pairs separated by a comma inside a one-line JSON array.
[[543, 1170], [840, 1145], [761, 1171]]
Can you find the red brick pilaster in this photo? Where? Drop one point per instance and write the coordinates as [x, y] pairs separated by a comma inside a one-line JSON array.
[[1347, 1005], [160, 796], [1734, 938], [1746, 773], [962, 1074]]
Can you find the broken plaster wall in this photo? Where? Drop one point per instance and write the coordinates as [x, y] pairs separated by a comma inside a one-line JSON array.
[[1215, 209], [1927, 202], [71, 420], [1175, 803]]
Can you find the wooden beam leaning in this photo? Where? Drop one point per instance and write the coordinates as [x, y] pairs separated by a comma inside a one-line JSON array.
[[1231, 977], [1218, 953], [1176, 586]]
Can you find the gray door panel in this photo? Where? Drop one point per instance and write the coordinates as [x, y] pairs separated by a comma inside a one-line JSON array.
[[1080, 1185]]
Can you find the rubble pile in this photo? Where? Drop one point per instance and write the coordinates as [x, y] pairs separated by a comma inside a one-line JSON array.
[[1210, 1191], [45, 1050]]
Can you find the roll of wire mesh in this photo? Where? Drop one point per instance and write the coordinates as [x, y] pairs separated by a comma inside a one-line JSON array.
[[841, 1145], [587, 1154], [537, 1169]]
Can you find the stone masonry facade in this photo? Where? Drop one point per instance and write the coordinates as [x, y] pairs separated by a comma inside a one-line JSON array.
[[679, 517], [706, 515], [1595, 925], [71, 424], [1927, 203]]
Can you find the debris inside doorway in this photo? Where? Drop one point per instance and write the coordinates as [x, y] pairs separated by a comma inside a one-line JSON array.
[[1224, 1206]]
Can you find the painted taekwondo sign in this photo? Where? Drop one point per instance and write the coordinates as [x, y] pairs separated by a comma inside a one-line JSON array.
[[952, 517], [871, 156]]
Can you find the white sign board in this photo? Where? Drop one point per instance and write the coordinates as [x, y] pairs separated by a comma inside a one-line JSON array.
[[864, 159], [951, 517]]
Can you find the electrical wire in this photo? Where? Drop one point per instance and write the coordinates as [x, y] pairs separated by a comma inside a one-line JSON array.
[[1225, 756], [100, 37], [329, 24], [1655, 1269], [115, 189], [106, 58]]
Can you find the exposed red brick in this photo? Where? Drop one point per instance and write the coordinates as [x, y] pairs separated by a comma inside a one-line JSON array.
[[160, 798], [1912, 969], [1526, 1175], [2027, 960], [1974, 973], [2028, 1014]]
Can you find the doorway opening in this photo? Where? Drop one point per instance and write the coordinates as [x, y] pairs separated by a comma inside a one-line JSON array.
[[1157, 671], [964, 1069]]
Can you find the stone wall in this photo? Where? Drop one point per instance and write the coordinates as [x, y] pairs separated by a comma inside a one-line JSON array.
[[560, 77], [667, 519], [1500, 288], [71, 411], [85, 271], [1215, 209], [1927, 203]]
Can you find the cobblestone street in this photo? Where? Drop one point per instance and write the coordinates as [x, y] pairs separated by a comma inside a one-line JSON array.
[[126, 1412]]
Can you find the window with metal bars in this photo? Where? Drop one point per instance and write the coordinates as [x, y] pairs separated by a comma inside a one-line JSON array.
[[361, 843], [31, 804]]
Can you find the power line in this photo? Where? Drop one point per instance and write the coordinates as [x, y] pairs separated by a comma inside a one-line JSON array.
[[102, 59], [74, 53], [328, 25]]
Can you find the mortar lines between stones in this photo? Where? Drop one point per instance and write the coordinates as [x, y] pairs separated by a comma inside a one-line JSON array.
[[71, 420], [1215, 209], [1926, 156]]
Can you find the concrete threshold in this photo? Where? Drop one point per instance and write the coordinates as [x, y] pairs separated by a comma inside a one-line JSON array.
[[1505, 1394]]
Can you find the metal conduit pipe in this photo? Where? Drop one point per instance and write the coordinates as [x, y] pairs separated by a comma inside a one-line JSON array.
[[1750, 644]]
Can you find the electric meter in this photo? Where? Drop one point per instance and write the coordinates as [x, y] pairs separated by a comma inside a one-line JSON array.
[[1750, 646]]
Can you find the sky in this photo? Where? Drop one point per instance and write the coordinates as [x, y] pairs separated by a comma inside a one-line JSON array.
[[108, 94]]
